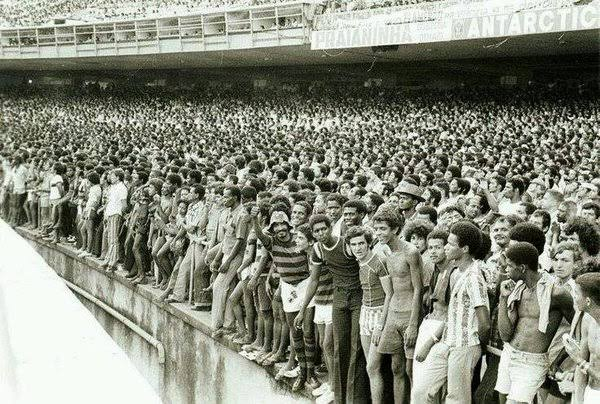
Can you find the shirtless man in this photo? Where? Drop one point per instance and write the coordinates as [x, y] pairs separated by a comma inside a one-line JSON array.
[[586, 353], [402, 321], [530, 311]]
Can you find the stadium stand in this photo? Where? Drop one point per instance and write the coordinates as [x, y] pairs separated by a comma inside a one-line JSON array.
[[372, 210]]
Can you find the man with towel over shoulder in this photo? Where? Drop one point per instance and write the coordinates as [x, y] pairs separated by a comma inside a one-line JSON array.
[[530, 311]]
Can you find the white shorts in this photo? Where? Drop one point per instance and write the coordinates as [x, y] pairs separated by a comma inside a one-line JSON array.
[[370, 318], [591, 396], [292, 296], [323, 314], [521, 374]]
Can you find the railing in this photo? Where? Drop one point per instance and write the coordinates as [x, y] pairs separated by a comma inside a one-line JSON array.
[[150, 339], [251, 20], [431, 11]]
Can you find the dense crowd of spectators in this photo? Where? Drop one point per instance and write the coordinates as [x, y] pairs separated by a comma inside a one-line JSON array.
[[453, 231], [34, 12], [341, 6]]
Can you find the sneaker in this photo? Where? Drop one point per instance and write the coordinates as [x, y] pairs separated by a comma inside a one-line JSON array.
[[218, 333], [280, 374], [312, 383], [251, 355], [290, 374], [245, 354], [321, 370], [299, 383], [249, 348], [326, 398], [319, 391]]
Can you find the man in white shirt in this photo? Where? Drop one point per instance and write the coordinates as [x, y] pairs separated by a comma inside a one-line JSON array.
[[5, 194], [452, 360], [512, 197], [113, 216], [19, 191]]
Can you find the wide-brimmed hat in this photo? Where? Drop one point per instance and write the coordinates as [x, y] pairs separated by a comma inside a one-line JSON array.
[[410, 189], [278, 217]]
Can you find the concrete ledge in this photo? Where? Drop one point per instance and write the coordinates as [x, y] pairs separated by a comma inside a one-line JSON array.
[[197, 369]]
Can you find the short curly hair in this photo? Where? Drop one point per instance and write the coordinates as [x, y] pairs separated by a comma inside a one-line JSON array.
[[306, 230], [468, 235], [589, 237], [421, 228], [389, 213], [530, 233], [357, 231], [591, 265], [567, 246]]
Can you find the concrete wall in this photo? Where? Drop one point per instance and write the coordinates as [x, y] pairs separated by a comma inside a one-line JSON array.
[[197, 369]]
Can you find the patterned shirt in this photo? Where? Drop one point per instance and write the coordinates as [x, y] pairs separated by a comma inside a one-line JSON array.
[[193, 217], [341, 264], [324, 294], [290, 262], [236, 228], [370, 274], [468, 293]]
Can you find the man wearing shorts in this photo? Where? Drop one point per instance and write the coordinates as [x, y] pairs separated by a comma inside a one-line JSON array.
[[323, 313], [376, 285], [292, 266], [349, 365], [399, 334], [530, 311]]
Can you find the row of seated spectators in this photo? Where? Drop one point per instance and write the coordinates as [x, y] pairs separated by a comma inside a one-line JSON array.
[[412, 219]]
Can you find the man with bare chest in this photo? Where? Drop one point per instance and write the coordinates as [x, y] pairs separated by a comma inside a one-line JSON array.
[[586, 353], [530, 311], [402, 321]]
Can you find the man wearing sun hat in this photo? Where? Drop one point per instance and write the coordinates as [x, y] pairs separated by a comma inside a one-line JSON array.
[[292, 265], [410, 196]]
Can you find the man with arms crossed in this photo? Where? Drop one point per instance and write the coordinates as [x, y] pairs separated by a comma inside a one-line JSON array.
[[529, 314], [586, 353]]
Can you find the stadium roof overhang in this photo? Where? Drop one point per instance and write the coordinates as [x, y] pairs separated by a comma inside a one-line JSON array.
[[576, 42]]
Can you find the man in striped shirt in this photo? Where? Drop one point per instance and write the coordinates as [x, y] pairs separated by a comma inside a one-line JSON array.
[[453, 359], [292, 265]]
